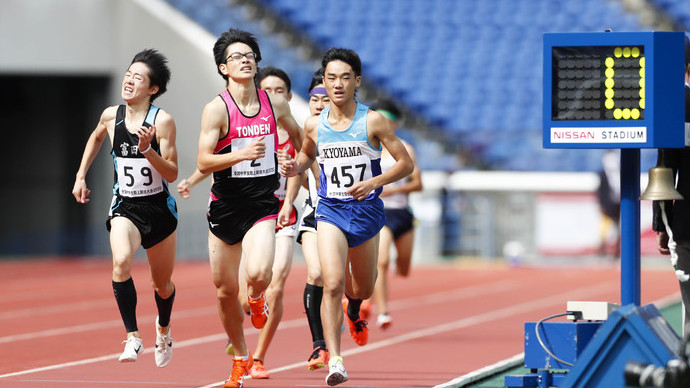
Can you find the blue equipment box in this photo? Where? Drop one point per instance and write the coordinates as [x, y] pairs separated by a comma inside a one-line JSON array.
[[565, 340]]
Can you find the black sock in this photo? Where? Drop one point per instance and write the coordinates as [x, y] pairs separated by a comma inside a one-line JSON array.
[[164, 308], [320, 344], [312, 306], [353, 306], [126, 297]]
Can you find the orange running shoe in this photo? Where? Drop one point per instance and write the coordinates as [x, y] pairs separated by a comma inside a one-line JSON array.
[[319, 358], [258, 370], [365, 309], [358, 328], [258, 311], [240, 370]]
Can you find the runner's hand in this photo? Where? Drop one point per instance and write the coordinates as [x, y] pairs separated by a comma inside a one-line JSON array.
[[145, 137], [288, 165], [80, 191], [257, 149], [184, 189]]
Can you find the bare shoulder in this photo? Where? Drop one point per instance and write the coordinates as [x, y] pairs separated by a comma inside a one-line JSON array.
[[376, 121], [215, 103], [109, 114], [164, 118], [279, 103], [215, 108], [276, 99], [165, 125], [311, 122]]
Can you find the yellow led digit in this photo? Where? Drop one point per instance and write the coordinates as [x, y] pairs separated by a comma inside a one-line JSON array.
[[621, 83], [598, 83], [609, 83]]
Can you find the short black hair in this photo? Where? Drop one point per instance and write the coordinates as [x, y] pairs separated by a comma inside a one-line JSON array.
[[316, 79], [342, 54], [159, 72], [229, 37], [274, 71], [387, 105]]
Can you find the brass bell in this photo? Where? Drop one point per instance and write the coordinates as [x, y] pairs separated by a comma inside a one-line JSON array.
[[661, 185]]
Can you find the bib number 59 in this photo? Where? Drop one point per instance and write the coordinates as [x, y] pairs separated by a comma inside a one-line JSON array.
[[145, 172]]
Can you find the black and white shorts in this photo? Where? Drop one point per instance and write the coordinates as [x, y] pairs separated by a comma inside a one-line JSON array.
[[155, 217]]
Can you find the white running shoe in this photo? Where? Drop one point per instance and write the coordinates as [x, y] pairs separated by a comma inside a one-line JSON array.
[[336, 372], [384, 321], [164, 347], [133, 347]]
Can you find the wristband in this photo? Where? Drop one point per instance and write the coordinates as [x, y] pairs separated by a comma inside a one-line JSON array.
[[146, 150]]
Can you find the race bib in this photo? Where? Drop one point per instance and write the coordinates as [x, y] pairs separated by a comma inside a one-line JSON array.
[[255, 168], [137, 178], [342, 174]]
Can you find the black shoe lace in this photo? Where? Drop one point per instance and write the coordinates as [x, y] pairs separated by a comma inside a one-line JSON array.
[[360, 325], [315, 353]]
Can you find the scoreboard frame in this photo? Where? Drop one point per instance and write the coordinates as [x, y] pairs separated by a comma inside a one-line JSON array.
[[661, 123]]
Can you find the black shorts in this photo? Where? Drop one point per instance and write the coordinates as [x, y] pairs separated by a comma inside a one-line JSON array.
[[155, 217], [400, 221], [230, 220]]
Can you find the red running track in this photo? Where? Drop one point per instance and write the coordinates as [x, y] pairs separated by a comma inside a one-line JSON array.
[[60, 327]]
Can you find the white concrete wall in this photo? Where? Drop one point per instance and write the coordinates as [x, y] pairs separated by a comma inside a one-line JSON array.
[[57, 36], [100, 37]]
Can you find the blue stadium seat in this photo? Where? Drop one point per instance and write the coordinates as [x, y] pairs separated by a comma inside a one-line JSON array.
[[473, 68]]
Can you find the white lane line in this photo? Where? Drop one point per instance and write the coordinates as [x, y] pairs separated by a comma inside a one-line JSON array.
[[53, 308], [461, 323], [518, 359], [500, 286], [99, 325], [441, 297], [503, 365]]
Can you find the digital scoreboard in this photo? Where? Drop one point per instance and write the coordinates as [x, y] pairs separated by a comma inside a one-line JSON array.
[[614, 90]]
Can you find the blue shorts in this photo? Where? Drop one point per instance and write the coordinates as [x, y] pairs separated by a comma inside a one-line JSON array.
[[358, 220], [400, 221]]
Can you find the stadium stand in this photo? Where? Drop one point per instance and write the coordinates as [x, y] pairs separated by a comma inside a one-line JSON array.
[[471, 69], [677, 10], [217, 16]]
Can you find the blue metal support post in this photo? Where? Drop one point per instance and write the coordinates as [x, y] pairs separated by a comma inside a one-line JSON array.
[[630, 226]]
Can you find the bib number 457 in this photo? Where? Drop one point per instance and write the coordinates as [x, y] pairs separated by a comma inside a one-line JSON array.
[[346, 178]]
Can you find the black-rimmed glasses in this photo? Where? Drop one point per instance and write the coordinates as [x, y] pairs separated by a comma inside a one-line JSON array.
[[236, 57]]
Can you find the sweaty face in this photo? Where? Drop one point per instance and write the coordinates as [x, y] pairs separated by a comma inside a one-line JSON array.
[[275, 85], [340, 82], [136, 83]]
